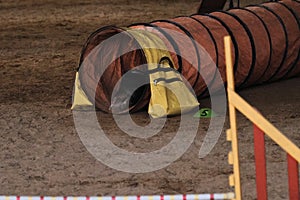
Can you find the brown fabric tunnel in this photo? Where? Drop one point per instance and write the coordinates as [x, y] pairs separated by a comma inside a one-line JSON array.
[[265, 41]]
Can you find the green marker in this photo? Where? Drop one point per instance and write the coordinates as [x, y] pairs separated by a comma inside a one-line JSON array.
[[205, 113]]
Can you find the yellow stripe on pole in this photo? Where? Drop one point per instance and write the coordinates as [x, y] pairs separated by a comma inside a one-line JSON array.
[[228, 135], [230, 158]]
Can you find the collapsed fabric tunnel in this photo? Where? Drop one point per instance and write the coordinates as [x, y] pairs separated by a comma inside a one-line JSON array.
[[265, 48]]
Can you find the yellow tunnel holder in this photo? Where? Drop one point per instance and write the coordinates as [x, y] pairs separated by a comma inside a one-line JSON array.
[[170, 95]]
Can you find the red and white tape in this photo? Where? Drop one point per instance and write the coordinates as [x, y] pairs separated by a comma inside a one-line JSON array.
[[154, 197]]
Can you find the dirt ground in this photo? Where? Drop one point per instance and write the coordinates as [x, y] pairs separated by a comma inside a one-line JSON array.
[[40, 150]]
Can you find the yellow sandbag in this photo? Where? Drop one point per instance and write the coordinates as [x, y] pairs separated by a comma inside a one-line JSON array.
[[80, 100], [169, 94]]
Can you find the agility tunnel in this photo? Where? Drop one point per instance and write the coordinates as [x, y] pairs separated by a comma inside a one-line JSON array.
[[265, 48]]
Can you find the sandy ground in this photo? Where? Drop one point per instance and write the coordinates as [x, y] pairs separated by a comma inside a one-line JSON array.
[[40, 150]]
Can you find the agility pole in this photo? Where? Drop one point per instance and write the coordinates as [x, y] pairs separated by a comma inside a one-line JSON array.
[[262, 127]]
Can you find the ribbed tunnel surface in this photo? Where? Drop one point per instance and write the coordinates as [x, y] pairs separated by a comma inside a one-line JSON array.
[[265, 41]]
